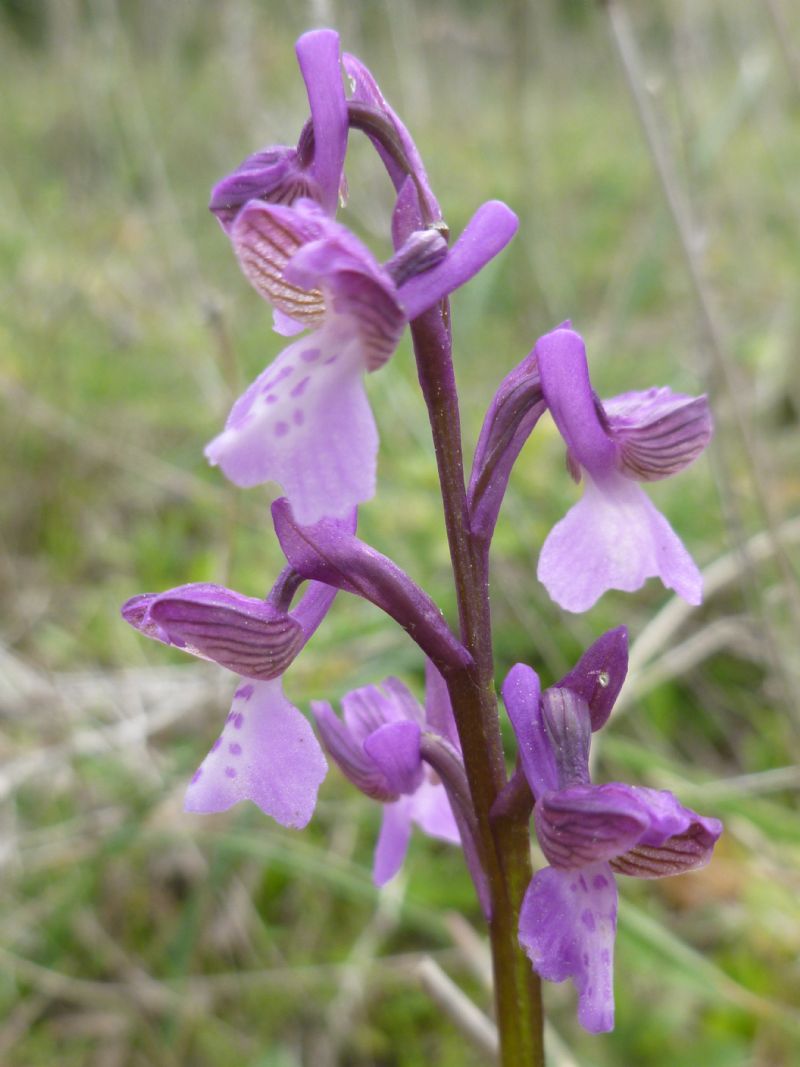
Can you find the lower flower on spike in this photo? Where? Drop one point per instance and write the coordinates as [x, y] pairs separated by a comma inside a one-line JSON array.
[[589, 832], [267, 751], [377, 746]]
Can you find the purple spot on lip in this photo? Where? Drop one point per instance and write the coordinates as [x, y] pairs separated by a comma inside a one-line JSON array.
[[329, 360], [281, 429], [587, 918], [599, 881], [301, 386], [230, 772], [310, 355], [216, 744], [196, 776], [243, 693], [238, 721], [271, 398], [298, 417], [235, 749]]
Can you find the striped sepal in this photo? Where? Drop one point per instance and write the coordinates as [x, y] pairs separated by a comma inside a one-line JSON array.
[[680, 853], [658, 432], [248, 638], [587, 824], [264, 242]]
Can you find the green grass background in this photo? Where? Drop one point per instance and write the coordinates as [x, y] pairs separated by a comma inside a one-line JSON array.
[[132, 934]]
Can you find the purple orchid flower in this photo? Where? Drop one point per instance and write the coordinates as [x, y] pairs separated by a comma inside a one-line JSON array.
[[614, 537], [378, 746], [280, 174], [589, 832], [267, 751], [305, 422]]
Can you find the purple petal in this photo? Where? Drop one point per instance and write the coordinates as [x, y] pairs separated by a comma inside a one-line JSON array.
[[614, 538], [370, 309], [355, 287], [365, 89], [305, 423], [676, 840], [522, 698], [587, 824], [567, 926], [438, 708], [392, 841], [366, 710], [432, 812], [658, 432], [326, 553], [487, 233], [273, 174], [318, 56], [394, 748], [405, 705], [423, 250], [369, 708], [265, 237], [347, 750], [599, 673], [569, 729], [514, 411], [246, 635], [266, 753], [564, 373]]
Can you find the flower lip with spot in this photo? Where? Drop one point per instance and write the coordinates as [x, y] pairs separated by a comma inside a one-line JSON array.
[[267, 751], [306, 422], [279, 174], [589, 832], [614, 538], [377, 746]]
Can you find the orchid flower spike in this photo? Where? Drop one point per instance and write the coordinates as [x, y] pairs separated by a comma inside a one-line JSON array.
[[614, 537], [589, 832], [267, 751], [279, 174], [305, 422], [378, 747]]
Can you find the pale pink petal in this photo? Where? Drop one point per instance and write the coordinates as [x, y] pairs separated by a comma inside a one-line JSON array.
[[392, 841], [614, 538], [267, 753], [431, 811], [567, 925], [305, 423]]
